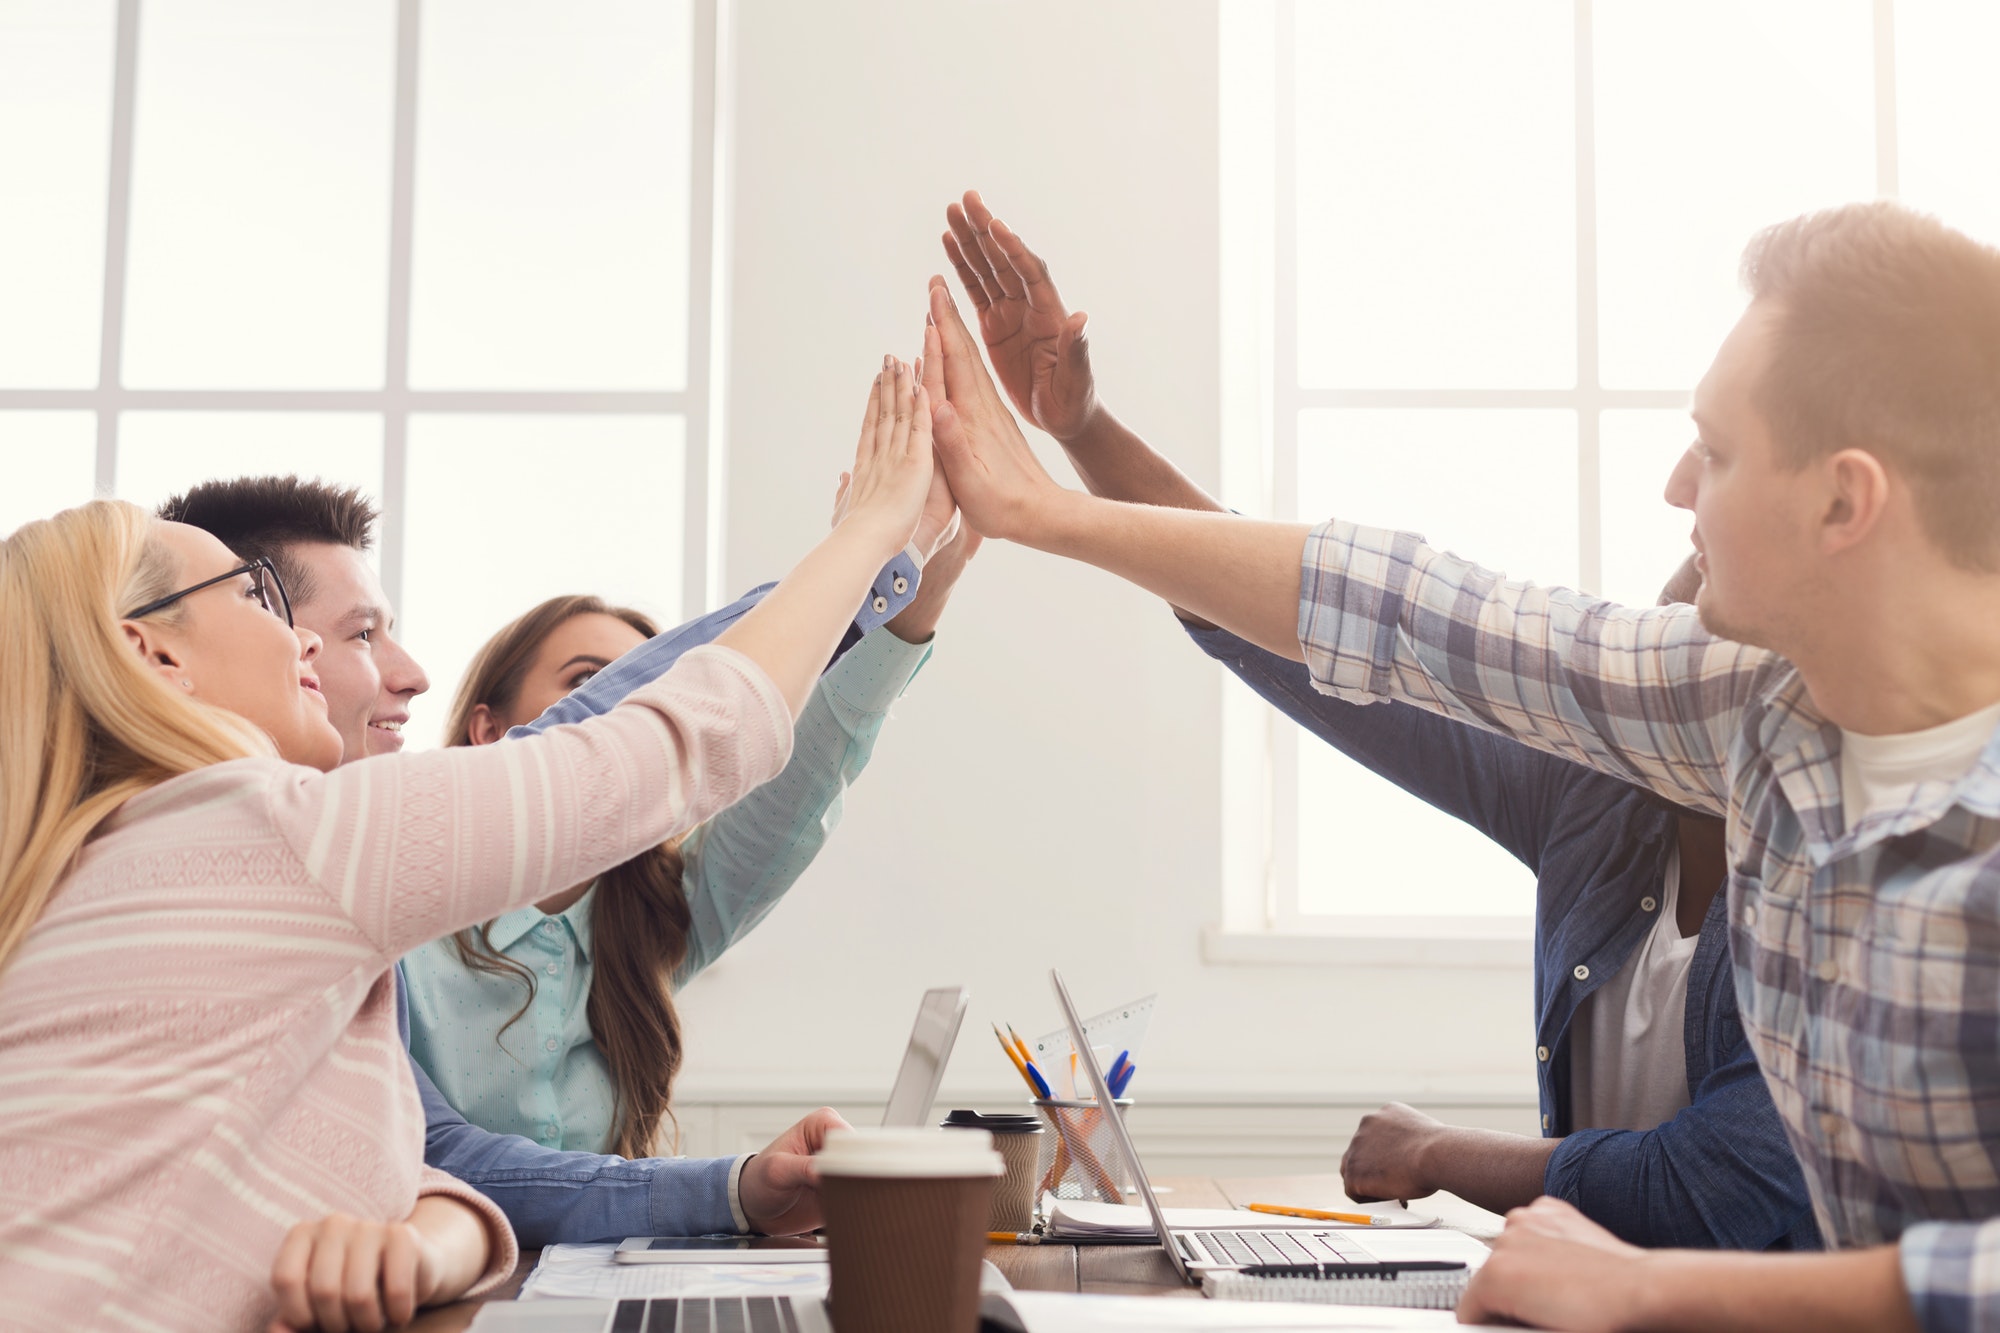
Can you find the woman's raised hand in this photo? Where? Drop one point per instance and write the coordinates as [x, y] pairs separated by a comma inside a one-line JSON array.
[[893, 463]]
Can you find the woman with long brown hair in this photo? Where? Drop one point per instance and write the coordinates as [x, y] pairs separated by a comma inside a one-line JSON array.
[[557, 1021]]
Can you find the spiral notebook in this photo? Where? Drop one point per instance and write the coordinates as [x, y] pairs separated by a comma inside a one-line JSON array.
[[1423, 1286]]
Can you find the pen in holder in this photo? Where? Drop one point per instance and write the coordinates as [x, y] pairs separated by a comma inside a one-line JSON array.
[[1080, 1159]]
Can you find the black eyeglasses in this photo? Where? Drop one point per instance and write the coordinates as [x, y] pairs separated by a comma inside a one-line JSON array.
[[263, 574]]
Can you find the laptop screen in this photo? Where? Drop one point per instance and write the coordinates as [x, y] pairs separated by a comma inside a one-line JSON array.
[[938, 1018]]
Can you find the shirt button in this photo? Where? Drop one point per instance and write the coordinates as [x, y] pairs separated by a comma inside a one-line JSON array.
[[880, 604], [1749, 915], [551, 1043], [1828, 970], [1580, 972], [553, 969], [1545, 1122], [550, 927], [1541, 1052], [1829, 1125], [901, 585], [1648, 903]]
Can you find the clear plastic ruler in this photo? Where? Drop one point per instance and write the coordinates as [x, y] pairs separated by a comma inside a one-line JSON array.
[[1119, 1028]]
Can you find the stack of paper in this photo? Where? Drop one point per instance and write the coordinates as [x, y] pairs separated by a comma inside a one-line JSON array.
[[1087, 1220]]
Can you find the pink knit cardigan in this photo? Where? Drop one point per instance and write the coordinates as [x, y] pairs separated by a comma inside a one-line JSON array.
[[198, 1043]]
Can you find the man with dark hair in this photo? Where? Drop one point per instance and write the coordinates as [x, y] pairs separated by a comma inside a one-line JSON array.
[[1845, 486], [317, 536]]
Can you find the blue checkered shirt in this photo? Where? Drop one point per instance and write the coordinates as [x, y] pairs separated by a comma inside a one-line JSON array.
[[1867, 960]]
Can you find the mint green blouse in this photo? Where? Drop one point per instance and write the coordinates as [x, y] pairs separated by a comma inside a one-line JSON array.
[[544, 1078]]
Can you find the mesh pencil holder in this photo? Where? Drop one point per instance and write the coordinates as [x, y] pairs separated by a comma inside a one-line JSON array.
[[1080, 1157]]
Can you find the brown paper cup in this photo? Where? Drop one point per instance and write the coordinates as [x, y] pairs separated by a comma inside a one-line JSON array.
[[1014, 1199], [906, 1228], [905, 1253]]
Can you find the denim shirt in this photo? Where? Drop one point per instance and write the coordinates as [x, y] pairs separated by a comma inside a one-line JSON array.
[[1720, 1173], [551, 1196]]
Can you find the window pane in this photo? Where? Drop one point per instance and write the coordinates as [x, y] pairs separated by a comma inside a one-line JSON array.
[[1645, 538], [1498, 487], [50, 462], [1356, 835], [55, 141], [260, 194], [1436, 194], [553, 159], [1715, 118], [164, 453], [507, 511], [1948, 111]]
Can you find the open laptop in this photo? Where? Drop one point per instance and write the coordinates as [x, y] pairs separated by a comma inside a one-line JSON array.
[[939, 1017], [1194, 1251]]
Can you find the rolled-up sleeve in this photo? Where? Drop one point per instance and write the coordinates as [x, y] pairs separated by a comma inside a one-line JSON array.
[[1952, 1271], [1644, 695]]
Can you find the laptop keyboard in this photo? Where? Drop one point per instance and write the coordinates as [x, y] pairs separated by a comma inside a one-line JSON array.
[[1284, 1247], [707, 1314]]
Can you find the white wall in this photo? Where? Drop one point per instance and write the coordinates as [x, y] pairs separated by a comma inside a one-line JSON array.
[[1049, 792]]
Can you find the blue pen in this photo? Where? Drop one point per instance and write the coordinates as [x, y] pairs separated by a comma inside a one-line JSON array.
[[1124, 1080], [1041, 1084], [1117, 1067]]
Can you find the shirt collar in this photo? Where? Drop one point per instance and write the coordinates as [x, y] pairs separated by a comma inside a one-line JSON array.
[[507, 931]]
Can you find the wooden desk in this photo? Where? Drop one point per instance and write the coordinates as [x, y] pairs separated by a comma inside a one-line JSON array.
[[1112, 1270]]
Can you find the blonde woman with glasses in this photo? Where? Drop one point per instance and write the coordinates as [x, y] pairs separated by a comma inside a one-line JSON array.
[[206, 1117]]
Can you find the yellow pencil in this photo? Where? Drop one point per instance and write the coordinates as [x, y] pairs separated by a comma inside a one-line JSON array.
[[1020, 1045], [1020, 1067], [1319, 1214], [1012, 1238]]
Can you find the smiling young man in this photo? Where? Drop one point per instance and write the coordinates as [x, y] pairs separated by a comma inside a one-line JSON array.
[[318, 537], [1845, 483]]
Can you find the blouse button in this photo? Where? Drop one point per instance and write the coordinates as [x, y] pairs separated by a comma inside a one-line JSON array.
[[1580, 972], [901, 585], [551, 1043], [1648, 903], [1749, 915], [1828, 970], [553, 969], [880, 604]]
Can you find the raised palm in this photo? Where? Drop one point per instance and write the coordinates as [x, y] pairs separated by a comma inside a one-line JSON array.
[[1036, 345]]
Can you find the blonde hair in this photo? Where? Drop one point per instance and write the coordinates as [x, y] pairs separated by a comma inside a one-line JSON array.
[[84, 724]]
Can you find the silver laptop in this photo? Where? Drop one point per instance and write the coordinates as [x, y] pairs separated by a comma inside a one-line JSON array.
[[1195, 1251], [939, 1017]]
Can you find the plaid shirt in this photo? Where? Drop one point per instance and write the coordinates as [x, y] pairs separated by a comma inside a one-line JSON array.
[[1867, 960]]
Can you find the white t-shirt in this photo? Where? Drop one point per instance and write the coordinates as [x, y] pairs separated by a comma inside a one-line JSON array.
[[1883, 772], [1628, 1040]]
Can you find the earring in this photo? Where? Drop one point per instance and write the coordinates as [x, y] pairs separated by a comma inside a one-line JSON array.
[[187, 684]]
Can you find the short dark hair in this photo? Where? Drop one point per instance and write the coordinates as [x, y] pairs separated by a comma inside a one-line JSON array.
[[265, 517], [1888, 341]]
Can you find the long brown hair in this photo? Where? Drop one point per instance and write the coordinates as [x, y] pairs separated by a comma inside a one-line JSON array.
[[639, 914]]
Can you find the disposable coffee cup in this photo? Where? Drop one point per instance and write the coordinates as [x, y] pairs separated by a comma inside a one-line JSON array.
[[906, 1227], [1019, 1139]]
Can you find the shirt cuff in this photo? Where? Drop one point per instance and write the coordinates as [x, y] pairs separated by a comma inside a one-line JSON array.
[[895, 587], [873, 674], [1353, 582], [1952, 1272], [503, 1254], [736, 1193]]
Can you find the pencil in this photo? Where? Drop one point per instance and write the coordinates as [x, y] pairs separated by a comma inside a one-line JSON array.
[[1014, 1056], [1012, 1238], [1319, 1214]]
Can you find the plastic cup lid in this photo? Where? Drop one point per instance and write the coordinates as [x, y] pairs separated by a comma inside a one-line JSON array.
[[909, 1153], [1003, 1122]]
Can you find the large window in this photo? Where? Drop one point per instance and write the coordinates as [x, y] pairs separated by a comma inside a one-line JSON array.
[[1476, 255], [456, 252]]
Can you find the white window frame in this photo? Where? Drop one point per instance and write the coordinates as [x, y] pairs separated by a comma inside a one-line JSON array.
[[699, 404], [1262, 399]]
